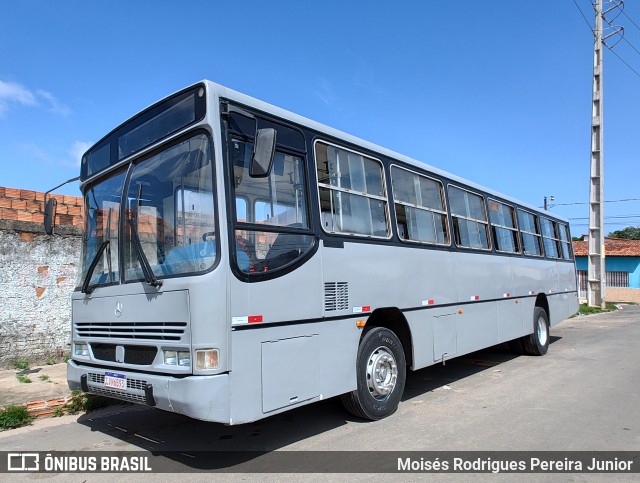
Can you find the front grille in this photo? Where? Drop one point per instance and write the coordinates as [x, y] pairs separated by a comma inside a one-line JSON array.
[[125, 396], [132, 330], [135, 384], [140, 355]]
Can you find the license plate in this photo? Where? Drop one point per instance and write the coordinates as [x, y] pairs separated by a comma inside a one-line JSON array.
[[115, 381]]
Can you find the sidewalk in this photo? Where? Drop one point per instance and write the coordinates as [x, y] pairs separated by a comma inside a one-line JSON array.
[[47, 390]]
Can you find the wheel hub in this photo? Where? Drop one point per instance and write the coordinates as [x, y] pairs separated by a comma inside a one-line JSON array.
[[543, 333], [382, 373]]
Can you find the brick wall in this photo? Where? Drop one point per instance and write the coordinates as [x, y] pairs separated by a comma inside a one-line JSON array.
[[37, 275]]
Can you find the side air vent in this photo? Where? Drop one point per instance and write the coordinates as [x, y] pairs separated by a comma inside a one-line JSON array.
[[336, 296]]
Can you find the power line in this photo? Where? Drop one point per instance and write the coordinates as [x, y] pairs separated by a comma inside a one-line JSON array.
[[586, 202], [608, 217], [583, 15], [622, 60], [630, 19]]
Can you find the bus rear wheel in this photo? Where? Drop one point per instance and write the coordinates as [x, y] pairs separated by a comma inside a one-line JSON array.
[[381, 372], [537, 344]]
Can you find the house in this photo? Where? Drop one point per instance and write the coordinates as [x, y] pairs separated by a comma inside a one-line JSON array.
[[622, 266]]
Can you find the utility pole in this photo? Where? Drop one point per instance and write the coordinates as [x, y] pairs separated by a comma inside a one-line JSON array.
[[596, 259]]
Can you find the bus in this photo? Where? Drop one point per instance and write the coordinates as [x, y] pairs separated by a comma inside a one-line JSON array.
[[239, 260]]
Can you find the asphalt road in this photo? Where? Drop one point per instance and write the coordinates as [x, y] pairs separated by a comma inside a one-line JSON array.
[[583, 395]]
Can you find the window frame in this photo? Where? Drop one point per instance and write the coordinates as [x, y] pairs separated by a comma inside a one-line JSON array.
[[515, 229], [565, 226], [538, 235], [248, 226], [554, 225], [466, 218], [423, 208], [384, 199]]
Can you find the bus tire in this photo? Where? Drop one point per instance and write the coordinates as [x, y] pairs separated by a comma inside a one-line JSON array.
[[537, 343], [381, 373]]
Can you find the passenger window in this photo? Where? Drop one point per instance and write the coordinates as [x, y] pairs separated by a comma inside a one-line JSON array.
[[470, 227], [277, 202], [530, 233], [504, 227], [549, 237], [352, 194], [420, 208], [565, 241]]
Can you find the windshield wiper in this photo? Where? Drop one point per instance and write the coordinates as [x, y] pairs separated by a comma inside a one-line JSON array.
[[86, 288], [149, 277]]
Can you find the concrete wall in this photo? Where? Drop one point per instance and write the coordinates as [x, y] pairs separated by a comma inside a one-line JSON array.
[[37, 275], [631, 295]]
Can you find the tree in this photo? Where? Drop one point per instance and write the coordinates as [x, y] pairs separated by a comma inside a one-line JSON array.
[[629, 233]]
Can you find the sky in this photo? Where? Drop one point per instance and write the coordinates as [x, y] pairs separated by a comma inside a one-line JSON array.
[[496, 92]]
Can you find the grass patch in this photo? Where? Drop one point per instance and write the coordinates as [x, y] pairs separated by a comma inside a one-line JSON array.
[[23, 378], [21, 363], [50, 361], [14, 417], [586, 310], [81, 402], [44, 377]]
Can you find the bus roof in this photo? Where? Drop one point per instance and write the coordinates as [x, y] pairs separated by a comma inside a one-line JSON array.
[[241, 98]]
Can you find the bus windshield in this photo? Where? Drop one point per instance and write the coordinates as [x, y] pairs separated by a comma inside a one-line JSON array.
[[167, 209]]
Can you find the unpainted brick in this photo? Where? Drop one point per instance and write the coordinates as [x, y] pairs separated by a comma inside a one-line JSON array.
[[12, 193]]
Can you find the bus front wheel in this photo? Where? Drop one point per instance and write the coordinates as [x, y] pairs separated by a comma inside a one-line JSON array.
[[381, 372]]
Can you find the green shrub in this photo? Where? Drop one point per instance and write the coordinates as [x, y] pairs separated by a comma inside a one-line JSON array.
[[21, 363], [86, 402], [23, 378], [14, 417]]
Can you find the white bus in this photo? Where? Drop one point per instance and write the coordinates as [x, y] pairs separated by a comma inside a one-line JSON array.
[[240, 260]]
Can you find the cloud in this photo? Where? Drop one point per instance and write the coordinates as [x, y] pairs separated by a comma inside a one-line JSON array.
[[12, 93], [77, 149], [71, 159], [54, 104], [327, 95]]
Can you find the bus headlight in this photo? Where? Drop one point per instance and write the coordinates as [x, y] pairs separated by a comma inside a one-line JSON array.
[[184, 359], [80, 349], [179, 358], [207, 359], [170, 358]]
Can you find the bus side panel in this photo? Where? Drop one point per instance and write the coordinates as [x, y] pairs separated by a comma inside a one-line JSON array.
[[387, 276], [279, 368], [480, 278], [565, 304]]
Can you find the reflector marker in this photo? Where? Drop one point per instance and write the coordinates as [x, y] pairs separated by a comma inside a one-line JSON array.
[[475, 297], [428, 302], [362, 309], [506, 295], [531, 292], [247, 319]]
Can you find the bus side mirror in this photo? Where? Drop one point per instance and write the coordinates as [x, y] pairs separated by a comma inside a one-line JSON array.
[[264, 149], [50, 215]]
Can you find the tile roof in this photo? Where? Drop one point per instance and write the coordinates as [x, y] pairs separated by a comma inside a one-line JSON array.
[[613, 247]]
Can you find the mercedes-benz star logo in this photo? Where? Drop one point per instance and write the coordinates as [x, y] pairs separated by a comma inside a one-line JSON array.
[[118, 310]]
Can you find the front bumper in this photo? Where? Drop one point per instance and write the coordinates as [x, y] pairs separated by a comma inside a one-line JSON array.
[[199, 397]]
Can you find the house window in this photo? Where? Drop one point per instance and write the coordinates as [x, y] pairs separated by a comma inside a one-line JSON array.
[[618, 279]]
